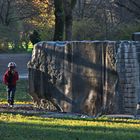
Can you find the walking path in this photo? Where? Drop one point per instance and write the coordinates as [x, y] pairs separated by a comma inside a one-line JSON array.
[[29, 109], [20, 59]]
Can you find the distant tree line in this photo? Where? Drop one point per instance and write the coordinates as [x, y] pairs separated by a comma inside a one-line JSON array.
[[106, 19], [19, 18], [66, 20]]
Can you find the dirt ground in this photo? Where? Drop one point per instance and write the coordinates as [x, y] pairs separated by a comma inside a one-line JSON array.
[[30, 110]]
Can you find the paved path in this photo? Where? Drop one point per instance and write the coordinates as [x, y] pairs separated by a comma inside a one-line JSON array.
[[20, 59]]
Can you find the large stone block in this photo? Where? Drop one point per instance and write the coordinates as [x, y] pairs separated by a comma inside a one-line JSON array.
[[136, 36], [74, 76], [90, 77]]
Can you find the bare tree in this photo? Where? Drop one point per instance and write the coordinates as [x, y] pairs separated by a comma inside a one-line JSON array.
[[101, 12], [68, 10], [59, 20], [15, 10], [132, 6], [14, 14], [63, 19]]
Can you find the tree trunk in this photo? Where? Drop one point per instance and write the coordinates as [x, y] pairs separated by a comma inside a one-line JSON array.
[[59, 20], [68, 19], [68, 9]]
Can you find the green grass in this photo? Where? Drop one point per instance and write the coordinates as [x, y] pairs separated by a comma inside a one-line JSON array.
[[19, 49], [18, 127], [22, 127], [21, 94]]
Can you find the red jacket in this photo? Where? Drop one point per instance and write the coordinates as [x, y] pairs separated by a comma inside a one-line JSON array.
[[10, 79]]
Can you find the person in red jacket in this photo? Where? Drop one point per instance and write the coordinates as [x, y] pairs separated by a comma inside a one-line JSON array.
[[10, 78]]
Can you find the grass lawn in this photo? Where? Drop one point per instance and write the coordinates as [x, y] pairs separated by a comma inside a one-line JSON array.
[[21, 94], [18, 127], [22, 127]]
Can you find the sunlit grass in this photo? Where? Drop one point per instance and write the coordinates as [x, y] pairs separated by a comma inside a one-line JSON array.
[[20, 49], [37, 128], [30, 47], [23, 127]]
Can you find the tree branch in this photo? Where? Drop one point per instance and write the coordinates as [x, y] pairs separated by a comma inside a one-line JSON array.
[[128, 9], [13, 19], [7, 13], [1, 17], [134, 3]]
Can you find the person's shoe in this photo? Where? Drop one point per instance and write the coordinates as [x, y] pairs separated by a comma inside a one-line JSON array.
[[11, 106], [9, 102]]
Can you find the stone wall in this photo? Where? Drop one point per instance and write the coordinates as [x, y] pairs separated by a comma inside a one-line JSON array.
[[85, 77], [128, 71]]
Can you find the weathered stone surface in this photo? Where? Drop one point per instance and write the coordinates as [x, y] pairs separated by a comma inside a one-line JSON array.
[[136, 36], [89, 77], [128, 75], [74, 76]]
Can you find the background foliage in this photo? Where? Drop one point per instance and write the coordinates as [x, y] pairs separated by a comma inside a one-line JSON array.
[[92, 19]]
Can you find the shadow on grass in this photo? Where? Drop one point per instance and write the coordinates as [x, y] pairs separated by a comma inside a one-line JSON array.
[[100, 119], [44, 131], [75, 117]]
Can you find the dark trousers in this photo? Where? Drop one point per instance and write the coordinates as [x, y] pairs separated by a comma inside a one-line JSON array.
[[11, 94]]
